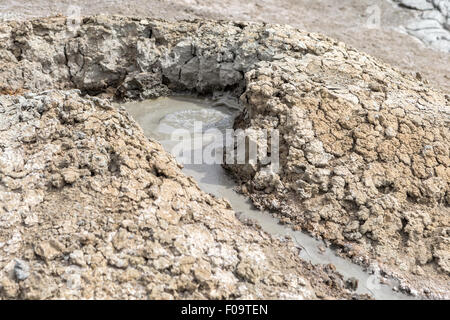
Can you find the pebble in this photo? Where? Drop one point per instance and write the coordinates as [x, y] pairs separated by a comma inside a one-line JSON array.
[[352, 283], [77, 257], [21, 270], [321, 249], [414, 293]]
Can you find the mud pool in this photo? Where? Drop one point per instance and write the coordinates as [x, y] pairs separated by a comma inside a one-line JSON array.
[[159, 118]]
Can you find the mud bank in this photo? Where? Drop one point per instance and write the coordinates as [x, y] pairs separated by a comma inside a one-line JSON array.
[[364, 148], [364, 165]]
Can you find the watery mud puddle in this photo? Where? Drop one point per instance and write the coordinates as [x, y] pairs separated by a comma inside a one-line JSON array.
[[159, 118]]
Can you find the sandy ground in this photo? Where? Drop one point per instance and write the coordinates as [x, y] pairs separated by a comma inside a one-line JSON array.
[[352, 21]]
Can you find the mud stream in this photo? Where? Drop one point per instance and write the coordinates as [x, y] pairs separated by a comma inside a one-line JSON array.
[[159, 118]]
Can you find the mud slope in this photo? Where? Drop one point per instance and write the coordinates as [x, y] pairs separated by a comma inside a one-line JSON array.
[[364, 159], [364, 146]]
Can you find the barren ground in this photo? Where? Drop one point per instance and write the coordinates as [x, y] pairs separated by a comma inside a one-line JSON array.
[[344, 20]]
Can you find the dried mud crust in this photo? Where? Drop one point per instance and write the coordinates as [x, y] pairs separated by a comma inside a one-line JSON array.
[[93, 209], [364, 146], [364, 159]]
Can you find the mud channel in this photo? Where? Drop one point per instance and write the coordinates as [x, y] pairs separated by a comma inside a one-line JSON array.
[[160, 118]]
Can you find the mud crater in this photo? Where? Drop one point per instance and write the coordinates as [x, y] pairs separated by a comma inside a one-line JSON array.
[[354, 130]]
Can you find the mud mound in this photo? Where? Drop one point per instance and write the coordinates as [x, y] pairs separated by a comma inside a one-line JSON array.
[[364, 147], [364, 159]]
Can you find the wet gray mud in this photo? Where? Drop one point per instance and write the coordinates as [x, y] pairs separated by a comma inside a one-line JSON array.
[[159, 118]]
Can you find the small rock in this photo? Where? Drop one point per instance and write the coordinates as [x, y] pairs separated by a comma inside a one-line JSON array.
[[202, 274], [46, 250], [161, 263], [21, 270], [390, 132], [419, 271], [285, 220], [414, 293], [77, 257], [302, 282], [118, 262], [70, 176], [352, 283]]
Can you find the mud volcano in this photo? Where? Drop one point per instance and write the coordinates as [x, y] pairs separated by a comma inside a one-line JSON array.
[[94, 209]]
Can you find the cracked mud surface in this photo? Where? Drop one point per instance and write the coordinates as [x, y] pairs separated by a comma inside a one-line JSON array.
[[364, 162], [93, 209], [364, 153]]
